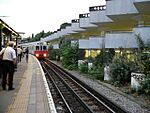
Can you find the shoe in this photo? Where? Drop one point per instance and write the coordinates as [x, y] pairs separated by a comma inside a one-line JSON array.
[[11, 89]]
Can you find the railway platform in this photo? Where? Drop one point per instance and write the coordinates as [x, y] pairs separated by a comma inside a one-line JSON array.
[[31, 94]]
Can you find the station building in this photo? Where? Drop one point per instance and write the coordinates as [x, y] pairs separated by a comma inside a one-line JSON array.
[[7, 34], [114, 25]]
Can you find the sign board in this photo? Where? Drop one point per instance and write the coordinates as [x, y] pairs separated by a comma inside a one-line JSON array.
[[136, 78]]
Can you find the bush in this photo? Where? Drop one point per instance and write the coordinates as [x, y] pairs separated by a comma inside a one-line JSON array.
[[143, 61], [121, 69], [97, 72], [69, 55], [97, 69], [53, 53], [83, 68]]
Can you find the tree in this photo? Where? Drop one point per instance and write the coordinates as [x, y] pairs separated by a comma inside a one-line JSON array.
[[143, 61], [38, 36], [63, 26], [69, 55]]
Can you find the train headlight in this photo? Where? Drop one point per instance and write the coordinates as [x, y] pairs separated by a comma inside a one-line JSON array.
[[45, 55], [37, 55]]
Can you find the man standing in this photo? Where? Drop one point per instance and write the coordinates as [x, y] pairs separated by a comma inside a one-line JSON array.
[[19, 53], [9, 59]]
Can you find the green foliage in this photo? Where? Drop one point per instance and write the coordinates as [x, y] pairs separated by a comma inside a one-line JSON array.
[[63, 26], [143, 61], [46, 34], [83, 68], [54, 54], [104, 57], [97, 72], [146, 84], [69, 55], [109, 54], [121, 69], [97, 69], [142, 57], [99, 59], [37, 37]]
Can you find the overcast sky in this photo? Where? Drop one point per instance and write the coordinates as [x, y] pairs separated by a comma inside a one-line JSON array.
[[33, 16]]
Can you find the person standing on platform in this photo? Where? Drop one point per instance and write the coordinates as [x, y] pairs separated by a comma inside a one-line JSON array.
[[19, 53], [9, 60], [15, 65], [27, 54], [1, 66]]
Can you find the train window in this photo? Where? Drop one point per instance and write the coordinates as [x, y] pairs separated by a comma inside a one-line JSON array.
[[37, 48], [44, 48], [40, 47]]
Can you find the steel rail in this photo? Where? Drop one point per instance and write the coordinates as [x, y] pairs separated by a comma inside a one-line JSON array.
[[88, 109], [105, 101], [65, 102]]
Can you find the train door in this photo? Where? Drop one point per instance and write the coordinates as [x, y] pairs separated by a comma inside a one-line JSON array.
[[44, 47], [37, 48]]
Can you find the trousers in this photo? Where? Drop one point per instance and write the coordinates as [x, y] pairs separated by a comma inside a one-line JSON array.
[[8, 70]]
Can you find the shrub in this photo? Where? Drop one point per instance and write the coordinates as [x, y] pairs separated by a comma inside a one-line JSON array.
[[97, 69], [69, 55], [97, 72], [83, 68], [143, 61], [121, 69], [53, 53]]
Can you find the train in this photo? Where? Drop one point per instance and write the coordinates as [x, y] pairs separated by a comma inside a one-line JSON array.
[[38, 49]]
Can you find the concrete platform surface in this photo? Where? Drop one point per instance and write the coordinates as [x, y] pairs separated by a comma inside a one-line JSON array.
[[31, 94]]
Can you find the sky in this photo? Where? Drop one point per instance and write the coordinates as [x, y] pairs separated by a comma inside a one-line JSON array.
[[33, 16]]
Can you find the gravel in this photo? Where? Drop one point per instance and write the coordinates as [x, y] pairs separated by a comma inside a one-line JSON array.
[[112, 94], [127, 102]]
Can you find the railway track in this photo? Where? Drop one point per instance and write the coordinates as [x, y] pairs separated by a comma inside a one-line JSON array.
[[73, 96]]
